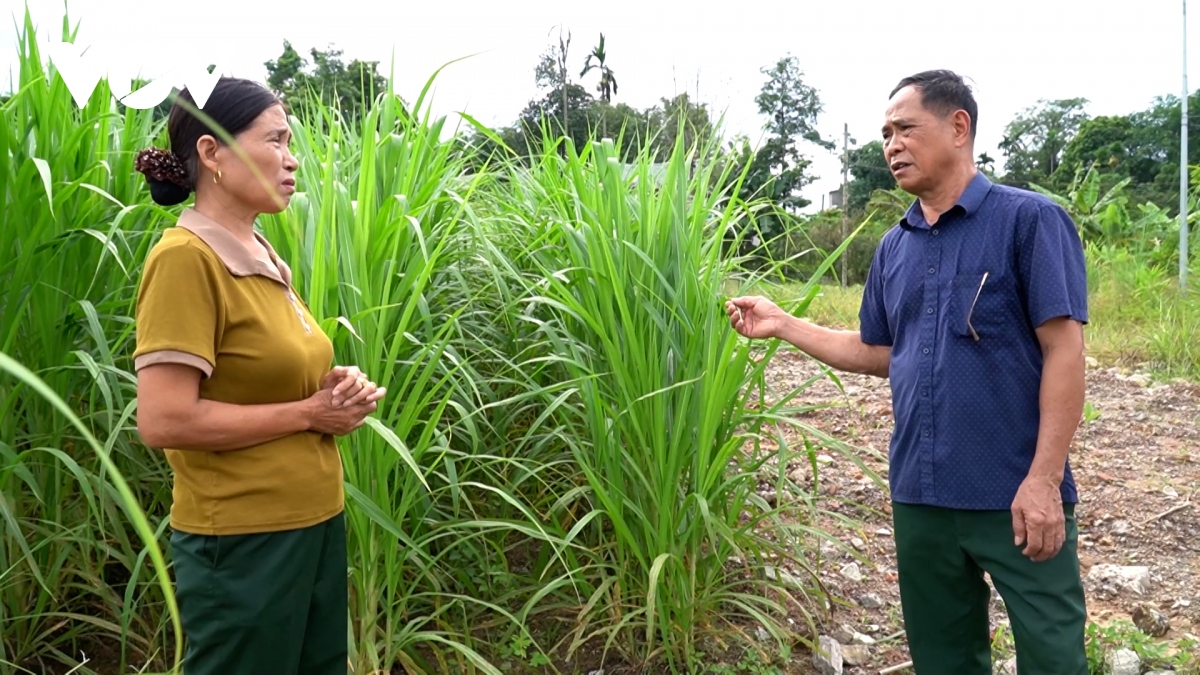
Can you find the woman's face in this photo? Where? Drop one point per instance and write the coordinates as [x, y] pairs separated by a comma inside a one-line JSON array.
[[262, 181]]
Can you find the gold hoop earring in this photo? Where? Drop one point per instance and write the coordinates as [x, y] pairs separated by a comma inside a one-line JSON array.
[[217, 176]]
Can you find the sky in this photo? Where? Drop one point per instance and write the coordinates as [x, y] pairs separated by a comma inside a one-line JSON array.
[[1118, 56]]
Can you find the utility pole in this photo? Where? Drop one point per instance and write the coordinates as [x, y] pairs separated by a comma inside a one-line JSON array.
[[1183, 169], [845, 191]]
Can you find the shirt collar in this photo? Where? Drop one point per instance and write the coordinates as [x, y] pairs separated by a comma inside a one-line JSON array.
[[968, 202], [232, 253]]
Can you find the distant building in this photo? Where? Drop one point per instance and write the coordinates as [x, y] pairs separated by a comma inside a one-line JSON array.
[[835, 198]]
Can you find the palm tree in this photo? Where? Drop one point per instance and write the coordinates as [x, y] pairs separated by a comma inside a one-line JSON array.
[[985, 162], [608, 82]]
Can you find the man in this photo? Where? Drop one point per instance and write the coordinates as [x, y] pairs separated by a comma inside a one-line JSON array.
[[974, 309]]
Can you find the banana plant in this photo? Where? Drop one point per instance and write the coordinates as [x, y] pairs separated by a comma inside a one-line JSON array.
[[1147, 230], [1084, 202]]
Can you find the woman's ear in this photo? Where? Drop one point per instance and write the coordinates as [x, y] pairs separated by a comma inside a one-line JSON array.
[[206, 152]]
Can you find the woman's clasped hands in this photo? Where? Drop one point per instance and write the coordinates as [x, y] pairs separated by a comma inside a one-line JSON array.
[[347, 396]]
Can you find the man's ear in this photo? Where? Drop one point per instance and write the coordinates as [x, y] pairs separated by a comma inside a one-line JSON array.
[[961, 122]]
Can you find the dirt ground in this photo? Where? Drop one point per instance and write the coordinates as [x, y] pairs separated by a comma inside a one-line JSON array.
[[1137, 460]]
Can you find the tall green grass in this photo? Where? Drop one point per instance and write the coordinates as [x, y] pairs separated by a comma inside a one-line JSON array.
[[623, 277], [572, 466], [1139, 318], [72, 232], [570, 463], [376, 229]]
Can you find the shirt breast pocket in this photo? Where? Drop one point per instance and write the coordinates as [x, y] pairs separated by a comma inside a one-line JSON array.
[[977, 305]]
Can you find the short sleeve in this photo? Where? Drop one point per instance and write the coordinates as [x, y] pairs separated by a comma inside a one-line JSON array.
[[1051, 267], [872, 314], [179, 310]]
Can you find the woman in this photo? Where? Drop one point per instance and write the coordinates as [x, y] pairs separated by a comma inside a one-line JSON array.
[[234, 382]]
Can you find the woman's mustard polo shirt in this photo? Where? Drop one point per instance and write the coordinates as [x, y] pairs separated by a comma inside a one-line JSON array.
[[205, 301]]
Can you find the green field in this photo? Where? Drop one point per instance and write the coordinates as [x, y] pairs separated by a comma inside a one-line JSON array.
[[1138, 318], [565, 473]]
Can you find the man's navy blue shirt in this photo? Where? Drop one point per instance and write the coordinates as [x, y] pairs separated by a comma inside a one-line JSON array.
[[958, 303]]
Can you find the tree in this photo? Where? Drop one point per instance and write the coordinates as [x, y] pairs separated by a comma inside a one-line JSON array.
[[1142, 146], [666, 119], [1034, 141], [351, 87], [570, 110], [608, 82], [286, 73], [562, 80], [547, 74], [632, 126], [791, 108], [562, 109], [790, 105], [870, 170], [571, 103], [776, 171]]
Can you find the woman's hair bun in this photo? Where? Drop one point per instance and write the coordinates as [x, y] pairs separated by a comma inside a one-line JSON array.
[[166, 175]]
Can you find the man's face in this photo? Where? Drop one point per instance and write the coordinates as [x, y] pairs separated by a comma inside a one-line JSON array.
[[920, 147]]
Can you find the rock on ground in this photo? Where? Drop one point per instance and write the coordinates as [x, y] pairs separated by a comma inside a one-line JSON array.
[[1152, 622], [870, 601], [1135, 578], [828, 656], [1124, 662], [856, 655]]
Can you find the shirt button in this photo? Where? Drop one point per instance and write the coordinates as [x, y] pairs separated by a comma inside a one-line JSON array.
[[929, 311], [924, 392], [935, 233], [926, 433], [925, 351], [932, 270]]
